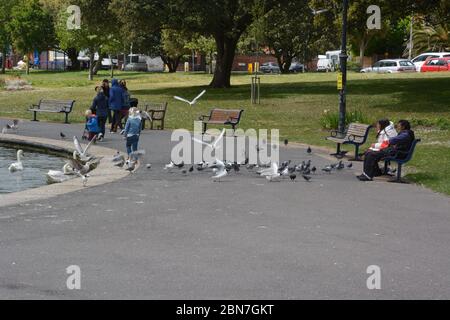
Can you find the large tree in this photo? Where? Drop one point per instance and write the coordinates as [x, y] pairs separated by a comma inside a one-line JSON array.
[[223, 20], [98, 31], [30, 27], [289, 35]]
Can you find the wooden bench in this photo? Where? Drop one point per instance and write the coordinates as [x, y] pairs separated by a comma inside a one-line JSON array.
[[157, 112], [223, 117], [356, 135], [53, 106], [400, 158]]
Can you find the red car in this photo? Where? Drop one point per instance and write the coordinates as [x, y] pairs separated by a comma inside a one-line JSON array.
[[436, 65]]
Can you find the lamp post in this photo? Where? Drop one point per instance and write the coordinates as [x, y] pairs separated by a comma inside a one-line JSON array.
[[343, 65]]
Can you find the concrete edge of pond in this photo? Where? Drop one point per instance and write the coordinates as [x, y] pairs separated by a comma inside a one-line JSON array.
[[105, 172]]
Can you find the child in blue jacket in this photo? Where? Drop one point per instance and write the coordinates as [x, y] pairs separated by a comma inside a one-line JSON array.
[[92, 124], [132, 131]]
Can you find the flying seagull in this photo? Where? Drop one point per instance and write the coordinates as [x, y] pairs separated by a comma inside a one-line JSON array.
[[213, 145], [83, 152], [191, 103]]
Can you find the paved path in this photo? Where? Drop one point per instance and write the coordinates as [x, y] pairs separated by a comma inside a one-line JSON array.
[[155, 235]]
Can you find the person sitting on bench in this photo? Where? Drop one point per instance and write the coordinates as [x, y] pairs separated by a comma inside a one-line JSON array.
[[396, 146]]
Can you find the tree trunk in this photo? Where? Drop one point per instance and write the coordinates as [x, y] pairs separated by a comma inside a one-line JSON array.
[[226, 50], [284, 62], [171, 63], [72, 53], [362, 50], [91, 66], [98, 64], [3, 60]]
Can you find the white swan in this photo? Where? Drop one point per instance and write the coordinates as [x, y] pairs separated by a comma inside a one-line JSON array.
[[54, 176], [17, 166]]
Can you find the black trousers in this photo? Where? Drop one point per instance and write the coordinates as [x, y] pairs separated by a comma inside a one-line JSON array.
[[371, 159], [117, 120], [102, 124]]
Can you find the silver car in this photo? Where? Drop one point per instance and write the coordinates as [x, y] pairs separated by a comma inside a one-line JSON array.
[[391, 66]]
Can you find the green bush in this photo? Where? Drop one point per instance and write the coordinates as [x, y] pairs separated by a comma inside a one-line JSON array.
[[330, 120]]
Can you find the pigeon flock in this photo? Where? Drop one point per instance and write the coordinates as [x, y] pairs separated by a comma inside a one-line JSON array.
[[272, 172]]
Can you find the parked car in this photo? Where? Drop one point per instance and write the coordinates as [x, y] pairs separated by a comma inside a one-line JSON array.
[[391, 66], [269, 67], [419, 61], [436, 65], [297, 67]]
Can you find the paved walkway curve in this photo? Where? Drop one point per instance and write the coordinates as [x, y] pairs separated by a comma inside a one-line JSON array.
[[154, 235]]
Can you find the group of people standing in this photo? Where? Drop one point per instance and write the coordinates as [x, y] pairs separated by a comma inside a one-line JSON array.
[[113, 104]]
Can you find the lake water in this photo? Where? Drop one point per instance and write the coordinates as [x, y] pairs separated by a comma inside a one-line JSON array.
[[36, 165]]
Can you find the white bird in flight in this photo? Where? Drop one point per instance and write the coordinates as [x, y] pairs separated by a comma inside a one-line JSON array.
[[83, 153], [191, 103], [213, 145]]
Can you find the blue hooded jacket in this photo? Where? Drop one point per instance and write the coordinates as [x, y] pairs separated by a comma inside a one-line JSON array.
[[100, 105], [116, 101]]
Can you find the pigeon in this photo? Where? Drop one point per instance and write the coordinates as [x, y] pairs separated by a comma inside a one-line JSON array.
[[309, 150], [13, 126], [191, 169], [62, 135], [286, 142], [131, 166], [148, 166], [184, 171], [118, 157], [84, 178], [308, 179], [202, 166], [307, 171], [191, 103], [293, 177], [313, 169], [171, 165], [340, 166], [179, 166], [327, 169], [350, 165]]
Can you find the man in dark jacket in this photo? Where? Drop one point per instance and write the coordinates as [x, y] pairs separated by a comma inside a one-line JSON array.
[[105, 87], [399, 146], [100, 108], [115, 104]]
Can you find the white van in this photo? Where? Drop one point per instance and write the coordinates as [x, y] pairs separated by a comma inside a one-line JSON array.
[[419, 61], [324, 64]]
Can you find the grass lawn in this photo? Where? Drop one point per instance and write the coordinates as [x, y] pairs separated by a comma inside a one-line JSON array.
[[292, 103]]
